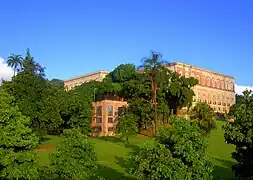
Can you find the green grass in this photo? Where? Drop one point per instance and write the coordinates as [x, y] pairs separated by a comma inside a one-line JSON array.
[[220, 153], [113, 154]]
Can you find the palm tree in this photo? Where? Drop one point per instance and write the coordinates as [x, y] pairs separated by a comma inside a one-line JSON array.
[[31, 65], [15, 61], [152, 66]]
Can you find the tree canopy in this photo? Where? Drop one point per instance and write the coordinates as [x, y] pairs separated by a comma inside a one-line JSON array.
[[178, 154], [240, 133], [17, 159], [74, 158], [204, 116]]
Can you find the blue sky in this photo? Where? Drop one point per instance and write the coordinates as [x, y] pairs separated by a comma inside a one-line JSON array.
[[75, 37]]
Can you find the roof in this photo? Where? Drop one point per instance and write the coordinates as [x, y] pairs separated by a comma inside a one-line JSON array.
[[86, 75], [183, 64]]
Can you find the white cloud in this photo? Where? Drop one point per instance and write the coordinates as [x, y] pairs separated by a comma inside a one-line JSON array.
[[5, 72], [239, 89]]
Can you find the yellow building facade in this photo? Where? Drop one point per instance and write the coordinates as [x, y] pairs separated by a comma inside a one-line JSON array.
[[214, 88]]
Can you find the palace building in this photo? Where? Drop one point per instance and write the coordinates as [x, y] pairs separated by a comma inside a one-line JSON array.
[[214, 88], [76, 81]]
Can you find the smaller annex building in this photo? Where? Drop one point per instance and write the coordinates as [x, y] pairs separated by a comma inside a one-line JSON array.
[[106, 112]]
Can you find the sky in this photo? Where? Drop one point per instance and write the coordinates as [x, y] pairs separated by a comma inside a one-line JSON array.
[[76, 37]]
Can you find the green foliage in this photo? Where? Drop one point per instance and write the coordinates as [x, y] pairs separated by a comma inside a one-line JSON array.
[[240, 133], [177, 90], [127, 125], [178, 154], [75, 157], [17, 159], [205, 117], [57, 82], [36, 97], [15, 61], [122, 73], [143, 109], [76, 106]]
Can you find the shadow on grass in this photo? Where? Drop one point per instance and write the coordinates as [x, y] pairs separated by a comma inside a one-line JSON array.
[[110, 174], [113, 139], [126, 162], [223, 171], [43, 139]]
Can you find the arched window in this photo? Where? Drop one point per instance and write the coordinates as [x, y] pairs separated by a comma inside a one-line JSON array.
[[214, 99], [208, 82], [204, 98], [228, 101], [222, 84], [209, 99], [198, 78], [213, 83], [203, 80], [227, 86], [232, 86], [219, 100], [218, 83]]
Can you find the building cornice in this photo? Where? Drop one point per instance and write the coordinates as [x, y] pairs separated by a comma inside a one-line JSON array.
[[86, 75], [200, 69]]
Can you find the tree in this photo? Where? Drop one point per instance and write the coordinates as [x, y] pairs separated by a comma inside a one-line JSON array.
[[35, 96], [74, 158], [152, 66], [57, 82], [127, 125], [15, 61], [240, 133], [122, 73], [203, 114], [17, 159], [179, 153], [30, 66], [177, 90]]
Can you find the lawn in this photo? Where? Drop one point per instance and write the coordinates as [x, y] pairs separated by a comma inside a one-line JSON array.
[[113, 153]]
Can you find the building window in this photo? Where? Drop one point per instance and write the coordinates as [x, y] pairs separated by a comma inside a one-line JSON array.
[[222, 84], [99, 120], [219, 108], [208, 81], [110, 110], [227, 86], [198, 78], [214, 100], [228, 101], [110, 129], [223, 101], [99, 111], [209, 99], [110, 120], [218, 83], [203, 98], [203, 80], [218, 99]]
